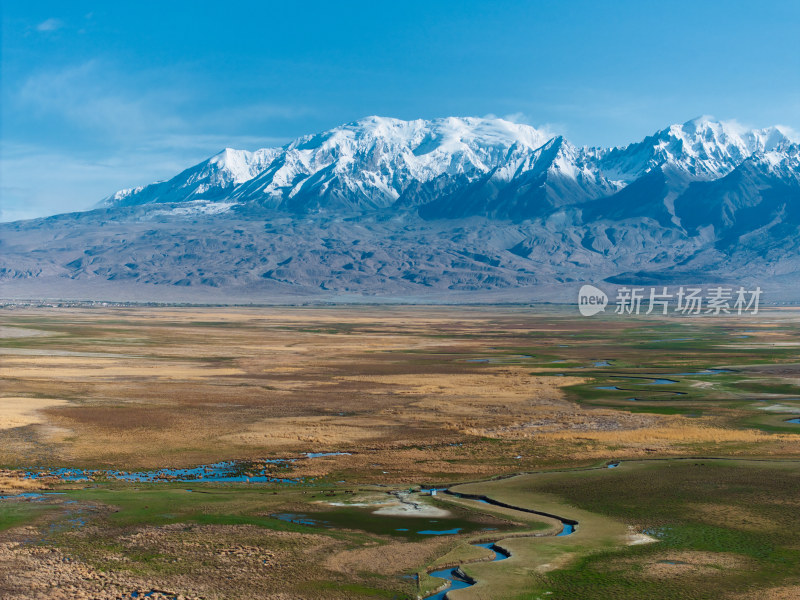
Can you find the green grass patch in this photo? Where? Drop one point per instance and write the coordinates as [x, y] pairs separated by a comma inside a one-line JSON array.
[[721, 508], [14, 513]]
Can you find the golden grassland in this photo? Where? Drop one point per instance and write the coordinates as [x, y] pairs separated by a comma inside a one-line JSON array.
[[22, 412], [413, 394], [408, 391]]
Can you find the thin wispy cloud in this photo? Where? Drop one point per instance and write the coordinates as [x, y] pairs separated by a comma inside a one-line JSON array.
[[51, 24], [790, 133], [95, 96], [548, 129], [192, 141], [37, 180], [138, 128], [136, 109], [117, 84]]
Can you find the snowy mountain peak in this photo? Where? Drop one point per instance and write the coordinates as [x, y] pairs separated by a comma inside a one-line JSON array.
[[503, 168], [784, 163], [701, 148], [385, 206], [209, 180], [371, 162], [237, 166], [706, 134], [450, 135]]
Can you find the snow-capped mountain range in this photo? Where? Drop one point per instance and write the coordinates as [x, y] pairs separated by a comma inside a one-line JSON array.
[[379, 162], [405, 208]]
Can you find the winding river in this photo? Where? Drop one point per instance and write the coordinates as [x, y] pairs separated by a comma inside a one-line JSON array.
[[453, 574], [457, 578]]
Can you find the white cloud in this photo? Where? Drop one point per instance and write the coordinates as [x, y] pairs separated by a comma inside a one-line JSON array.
[[790, 133], [518, 117], [51, 24], [111, 129], [128, 108], [548, 129], [134, 128], [38, 181], [93, 95]]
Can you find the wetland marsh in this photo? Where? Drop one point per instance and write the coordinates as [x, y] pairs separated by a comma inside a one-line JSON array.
[[284, 453]]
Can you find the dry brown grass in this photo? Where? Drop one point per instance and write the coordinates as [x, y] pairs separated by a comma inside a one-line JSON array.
[[13, 482], [735, 517], [789, 592], [236, 562], [674, 564], [20, 412], [387, 559], [678, 430], [395, 386]]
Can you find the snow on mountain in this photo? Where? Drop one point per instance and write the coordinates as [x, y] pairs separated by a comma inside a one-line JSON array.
[[763, 190], [456, 167], [701, 148], [209, 180], [406, 209], [529, 184], [371, 162], [785, 163]]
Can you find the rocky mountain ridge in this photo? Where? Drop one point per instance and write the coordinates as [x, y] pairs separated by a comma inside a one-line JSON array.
[[455, 207]]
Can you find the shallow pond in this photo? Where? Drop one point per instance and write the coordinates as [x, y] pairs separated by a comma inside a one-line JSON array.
[[704, 372], [453, 531], [34, 496], [226, 471], [364, 519]]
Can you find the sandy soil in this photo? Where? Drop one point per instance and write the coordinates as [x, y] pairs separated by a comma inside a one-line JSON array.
[[21, 332], [19, 412], [411, 505], [637, 539]]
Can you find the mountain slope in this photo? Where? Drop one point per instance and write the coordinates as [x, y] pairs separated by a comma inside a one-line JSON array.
[[212, 179], [370, 163], [457, 207]]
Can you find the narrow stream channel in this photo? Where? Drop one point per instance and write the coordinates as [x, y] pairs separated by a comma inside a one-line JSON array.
[[454, 574]]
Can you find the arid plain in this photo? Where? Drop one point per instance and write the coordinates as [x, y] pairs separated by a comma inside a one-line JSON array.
[[342, 413]]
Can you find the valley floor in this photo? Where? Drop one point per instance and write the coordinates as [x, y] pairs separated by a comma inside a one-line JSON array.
[[306, 421]]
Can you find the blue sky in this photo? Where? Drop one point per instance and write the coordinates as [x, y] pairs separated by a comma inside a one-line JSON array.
[[97, 96]]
